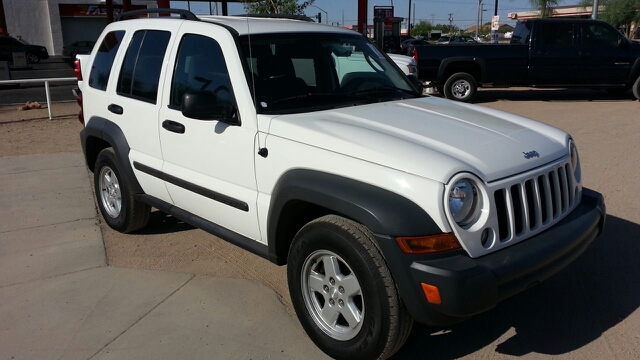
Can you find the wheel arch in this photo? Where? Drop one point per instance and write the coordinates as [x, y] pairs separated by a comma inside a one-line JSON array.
[[470, 65], [99, 134], [302, 195]]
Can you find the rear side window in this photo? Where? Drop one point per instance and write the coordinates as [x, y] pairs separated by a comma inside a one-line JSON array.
[[556, 34], [103, 60], [142, 64]]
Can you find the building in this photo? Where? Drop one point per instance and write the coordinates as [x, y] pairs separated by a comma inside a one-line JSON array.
[[56, 23]]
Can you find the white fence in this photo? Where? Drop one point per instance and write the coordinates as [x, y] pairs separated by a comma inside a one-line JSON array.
[[39, 81]]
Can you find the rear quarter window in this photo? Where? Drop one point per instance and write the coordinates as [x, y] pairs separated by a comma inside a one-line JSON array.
[[103, 61]]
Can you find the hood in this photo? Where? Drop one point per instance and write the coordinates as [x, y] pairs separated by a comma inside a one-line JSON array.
[[429, 137]]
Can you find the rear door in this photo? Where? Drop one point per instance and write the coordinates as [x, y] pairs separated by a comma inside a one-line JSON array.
[[604, 55], [553, 54], [134, 97]]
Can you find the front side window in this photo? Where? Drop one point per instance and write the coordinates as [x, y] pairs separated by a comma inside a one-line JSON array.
[[142, 64], [521, 33], [599, 35], [294, 73], [200, 65], [103, 61]]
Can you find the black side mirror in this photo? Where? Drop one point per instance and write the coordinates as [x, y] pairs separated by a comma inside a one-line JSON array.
[[205, 105], [417, 83]]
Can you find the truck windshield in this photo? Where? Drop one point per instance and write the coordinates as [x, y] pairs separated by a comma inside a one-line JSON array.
[[294, 73]]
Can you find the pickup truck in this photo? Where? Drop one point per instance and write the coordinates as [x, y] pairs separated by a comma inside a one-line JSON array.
[[542, 53], [305, 144]]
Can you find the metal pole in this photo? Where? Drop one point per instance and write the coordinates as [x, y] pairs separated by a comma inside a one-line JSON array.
[[46, 89], [594, 11], [409, 20]]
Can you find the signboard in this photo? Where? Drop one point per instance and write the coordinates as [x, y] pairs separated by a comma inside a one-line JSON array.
[[100, 11], [19, 59], [495, 23], [382, 12]]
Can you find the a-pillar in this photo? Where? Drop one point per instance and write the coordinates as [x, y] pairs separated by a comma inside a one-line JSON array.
[[225, 8]]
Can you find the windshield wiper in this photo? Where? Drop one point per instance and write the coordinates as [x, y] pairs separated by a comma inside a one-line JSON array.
[[325, 95], [383, 88]]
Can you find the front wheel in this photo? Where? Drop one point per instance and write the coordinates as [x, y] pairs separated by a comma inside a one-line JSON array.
[[33, 58], [118, 204], [460, 86], [343, 292], [636, 88]]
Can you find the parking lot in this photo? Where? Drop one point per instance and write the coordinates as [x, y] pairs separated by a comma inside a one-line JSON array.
[[590, 310]]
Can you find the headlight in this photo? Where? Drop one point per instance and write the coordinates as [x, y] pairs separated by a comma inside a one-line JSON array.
[[463, 202], [575, 160], [412, 69]]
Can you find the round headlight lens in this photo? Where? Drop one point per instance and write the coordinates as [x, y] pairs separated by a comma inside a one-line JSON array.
[[463, 201], [574, 156]]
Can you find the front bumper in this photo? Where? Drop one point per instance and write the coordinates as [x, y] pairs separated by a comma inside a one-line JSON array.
[[470, 286]]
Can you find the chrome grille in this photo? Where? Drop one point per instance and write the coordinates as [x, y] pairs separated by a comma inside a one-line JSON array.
[[534, 202]]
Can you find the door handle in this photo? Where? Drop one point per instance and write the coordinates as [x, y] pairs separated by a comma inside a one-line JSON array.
[[582, 53], [542, 53], [173, 126], [116, 109]]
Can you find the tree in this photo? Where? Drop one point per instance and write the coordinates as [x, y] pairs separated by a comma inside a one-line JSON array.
[[276, 6], [422, 29], [619, 13], [545, 6]]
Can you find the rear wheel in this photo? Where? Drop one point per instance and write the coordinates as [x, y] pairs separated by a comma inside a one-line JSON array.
[[343, 292], [460, 86], [636, 88], [118, 205]]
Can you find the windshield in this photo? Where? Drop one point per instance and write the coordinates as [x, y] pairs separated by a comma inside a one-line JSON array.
[[293, 73]]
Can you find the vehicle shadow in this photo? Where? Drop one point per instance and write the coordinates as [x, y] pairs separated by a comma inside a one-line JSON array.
[[162, 223], [563, 314], [521, 94]]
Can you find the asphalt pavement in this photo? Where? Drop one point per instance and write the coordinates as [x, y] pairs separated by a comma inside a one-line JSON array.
[[61, 300]]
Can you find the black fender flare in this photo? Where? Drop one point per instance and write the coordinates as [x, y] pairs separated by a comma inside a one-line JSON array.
[[458, 59], [101, 128], [381, 211], [635, 71]]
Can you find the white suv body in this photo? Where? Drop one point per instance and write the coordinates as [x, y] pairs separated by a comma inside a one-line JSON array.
[[380, 200]]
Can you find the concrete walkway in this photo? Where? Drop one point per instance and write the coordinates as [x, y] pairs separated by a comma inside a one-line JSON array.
[[60, 300]]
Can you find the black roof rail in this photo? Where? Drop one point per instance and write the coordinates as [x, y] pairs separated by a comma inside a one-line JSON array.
[[184, 14], [279, 16]]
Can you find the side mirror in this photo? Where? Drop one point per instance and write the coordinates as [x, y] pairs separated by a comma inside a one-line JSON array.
[[205, 105], [417, 83]]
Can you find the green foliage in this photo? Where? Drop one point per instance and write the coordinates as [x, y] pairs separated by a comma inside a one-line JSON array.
[[276, 6], [619, 13], [421, 29], [545, 6]]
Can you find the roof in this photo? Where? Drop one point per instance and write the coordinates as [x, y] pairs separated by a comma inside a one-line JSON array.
[[244, 25]]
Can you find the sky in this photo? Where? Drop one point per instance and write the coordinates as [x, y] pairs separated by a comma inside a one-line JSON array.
[[437, 11]]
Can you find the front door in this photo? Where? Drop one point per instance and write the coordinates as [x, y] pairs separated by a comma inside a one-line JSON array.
[[209, 164], [553, 56]]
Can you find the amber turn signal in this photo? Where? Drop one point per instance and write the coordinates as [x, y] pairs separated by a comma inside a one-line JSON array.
[[428, 244], [432, 293]]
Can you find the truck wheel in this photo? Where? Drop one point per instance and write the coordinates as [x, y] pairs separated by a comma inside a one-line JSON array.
[[461, 87], [343, 292], [118, 205], [636, 88]]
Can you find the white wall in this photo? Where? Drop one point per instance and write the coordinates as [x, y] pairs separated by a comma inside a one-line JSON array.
[[38, 21]]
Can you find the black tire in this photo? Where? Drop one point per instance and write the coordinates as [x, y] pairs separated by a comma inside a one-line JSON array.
[[461, 87], [118, 205], [33, 58], [358, 284], [636, 88]]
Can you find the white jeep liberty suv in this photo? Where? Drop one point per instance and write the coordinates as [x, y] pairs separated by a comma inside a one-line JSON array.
[[305, 144]]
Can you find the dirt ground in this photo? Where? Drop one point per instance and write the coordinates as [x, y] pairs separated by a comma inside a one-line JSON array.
[[607, 132]]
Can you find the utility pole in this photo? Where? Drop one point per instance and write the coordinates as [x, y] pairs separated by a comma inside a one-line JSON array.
[[409, 20], [450, 22], [478, 21], [594, 11]]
